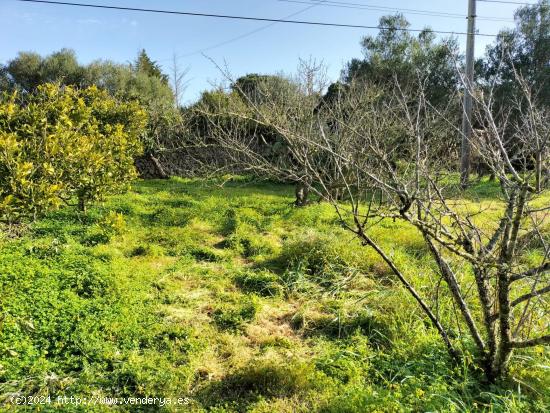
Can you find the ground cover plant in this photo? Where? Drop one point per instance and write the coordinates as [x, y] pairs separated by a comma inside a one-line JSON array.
[[369, 244], [226, 293]]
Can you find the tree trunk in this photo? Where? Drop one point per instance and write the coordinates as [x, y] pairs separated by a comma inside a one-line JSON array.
[[538, 171], [302, 192], [483, 288], [454, 287], [505, 348], [160, 170], [82, 203], [514, 215]]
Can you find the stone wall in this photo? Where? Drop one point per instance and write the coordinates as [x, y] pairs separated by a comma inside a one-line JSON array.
[[181, 162]]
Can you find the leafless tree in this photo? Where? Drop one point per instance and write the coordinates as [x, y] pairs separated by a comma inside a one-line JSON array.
[[394, 156], [312, 76], [178, 79]]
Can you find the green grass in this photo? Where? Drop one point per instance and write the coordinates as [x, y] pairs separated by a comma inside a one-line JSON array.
[[234, 298]]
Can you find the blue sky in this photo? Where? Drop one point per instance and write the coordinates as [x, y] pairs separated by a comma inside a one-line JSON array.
[[118, 35]]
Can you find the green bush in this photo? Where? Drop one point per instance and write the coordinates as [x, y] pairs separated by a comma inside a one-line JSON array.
[[111, 224], [60, 144]]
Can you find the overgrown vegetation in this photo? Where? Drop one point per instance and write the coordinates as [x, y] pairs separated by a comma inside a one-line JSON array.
[[387, 150], [126, 303], [383, 285]]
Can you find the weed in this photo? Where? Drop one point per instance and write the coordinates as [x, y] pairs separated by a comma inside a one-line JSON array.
[[263, 283], [233, 317], [232, 297]]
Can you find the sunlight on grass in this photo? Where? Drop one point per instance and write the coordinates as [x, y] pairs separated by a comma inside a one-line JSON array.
[[231, 296]]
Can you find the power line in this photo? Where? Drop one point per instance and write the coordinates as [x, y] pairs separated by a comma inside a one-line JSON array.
[[242, 36], [508, 2], [233, 17], [363, 6]]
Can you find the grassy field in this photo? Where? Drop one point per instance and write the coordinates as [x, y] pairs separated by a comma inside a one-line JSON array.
[[230, 296]]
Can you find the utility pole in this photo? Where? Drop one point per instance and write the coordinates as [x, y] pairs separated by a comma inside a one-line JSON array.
[[469, 84]]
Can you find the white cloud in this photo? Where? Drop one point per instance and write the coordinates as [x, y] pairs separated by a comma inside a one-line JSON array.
[[89, 21]]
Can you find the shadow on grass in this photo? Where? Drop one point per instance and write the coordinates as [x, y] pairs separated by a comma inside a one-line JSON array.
[[262, 379]]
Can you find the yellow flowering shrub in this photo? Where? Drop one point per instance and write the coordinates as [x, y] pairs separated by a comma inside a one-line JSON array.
[[61, 145]]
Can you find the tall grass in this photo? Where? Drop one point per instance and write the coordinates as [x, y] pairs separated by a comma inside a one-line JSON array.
[[230, 296]]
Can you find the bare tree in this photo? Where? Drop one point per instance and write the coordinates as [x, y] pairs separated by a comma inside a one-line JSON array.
[[178, 78], [393, 156], [312, 76], [256, 144]]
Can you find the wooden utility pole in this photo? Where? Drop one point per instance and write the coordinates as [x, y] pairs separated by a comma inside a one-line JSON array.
[[468, 87]]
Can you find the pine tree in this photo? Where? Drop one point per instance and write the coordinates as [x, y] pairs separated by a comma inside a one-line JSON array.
[[144, 64]]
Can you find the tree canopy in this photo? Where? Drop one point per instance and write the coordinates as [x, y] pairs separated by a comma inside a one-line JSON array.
[[61, 143], [524, 51], [144, 64], [395, 53]]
